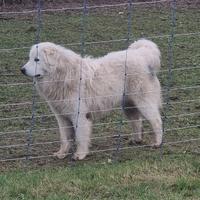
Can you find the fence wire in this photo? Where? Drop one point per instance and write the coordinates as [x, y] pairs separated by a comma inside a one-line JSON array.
[[196, 34], [28, 128]]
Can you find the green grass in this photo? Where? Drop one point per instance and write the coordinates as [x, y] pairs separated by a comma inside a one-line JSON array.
[[139, 174], [149, 179]]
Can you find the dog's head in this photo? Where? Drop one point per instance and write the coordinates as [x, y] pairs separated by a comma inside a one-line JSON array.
[[42, 60]]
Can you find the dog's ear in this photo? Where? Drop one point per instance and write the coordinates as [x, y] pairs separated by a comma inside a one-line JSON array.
[[50, 54]]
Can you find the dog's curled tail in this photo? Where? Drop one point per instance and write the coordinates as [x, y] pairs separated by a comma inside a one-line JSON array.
[[152, 50]]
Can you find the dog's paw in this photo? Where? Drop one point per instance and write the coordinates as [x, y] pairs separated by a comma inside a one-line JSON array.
[[60, 155], [156, 145], [79, 156]]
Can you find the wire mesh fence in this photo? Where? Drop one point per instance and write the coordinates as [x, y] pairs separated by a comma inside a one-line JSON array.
[[29, 131]]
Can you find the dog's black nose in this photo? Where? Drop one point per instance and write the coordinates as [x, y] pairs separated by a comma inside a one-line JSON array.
[[23, 70]]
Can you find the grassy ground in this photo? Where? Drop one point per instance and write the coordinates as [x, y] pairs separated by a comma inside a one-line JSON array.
[[149, 179], [139, 174]]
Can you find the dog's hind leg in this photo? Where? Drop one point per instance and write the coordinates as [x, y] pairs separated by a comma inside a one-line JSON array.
[[135, 118], [83, 132], [66, 129], [150, 111]]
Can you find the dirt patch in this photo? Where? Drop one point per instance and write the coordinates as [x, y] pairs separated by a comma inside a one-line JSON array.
[[21, 5]]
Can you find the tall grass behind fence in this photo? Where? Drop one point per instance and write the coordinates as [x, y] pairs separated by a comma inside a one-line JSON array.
[[174, 27]]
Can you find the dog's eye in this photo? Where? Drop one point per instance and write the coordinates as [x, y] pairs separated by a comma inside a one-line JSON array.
[[36, 59]]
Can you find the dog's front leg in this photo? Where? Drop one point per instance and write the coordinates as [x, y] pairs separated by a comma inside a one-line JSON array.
[[65, 128], [83, 131]]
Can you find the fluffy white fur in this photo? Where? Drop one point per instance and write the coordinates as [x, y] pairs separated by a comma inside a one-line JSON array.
[[58, 71]]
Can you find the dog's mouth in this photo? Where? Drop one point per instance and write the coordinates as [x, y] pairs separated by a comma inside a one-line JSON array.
[[37, 75], [23, 70]]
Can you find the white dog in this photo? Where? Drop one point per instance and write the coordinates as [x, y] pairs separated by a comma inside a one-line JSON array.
[[77, 88]]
